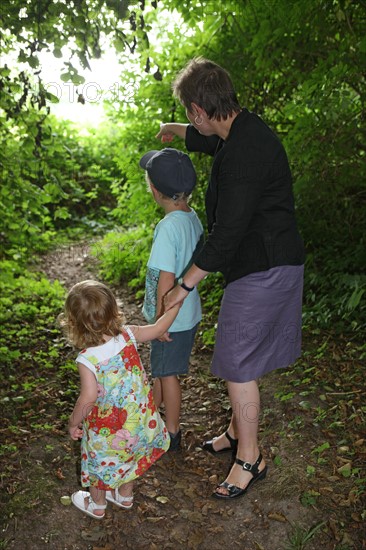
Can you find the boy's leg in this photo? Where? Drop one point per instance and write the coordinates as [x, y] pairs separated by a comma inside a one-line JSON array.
[[157, 393], [172, 398]]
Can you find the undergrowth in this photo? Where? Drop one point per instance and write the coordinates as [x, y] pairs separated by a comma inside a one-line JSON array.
[[331, 299]]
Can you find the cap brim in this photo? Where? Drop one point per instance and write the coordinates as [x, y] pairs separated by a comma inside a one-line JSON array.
[[145, 159]]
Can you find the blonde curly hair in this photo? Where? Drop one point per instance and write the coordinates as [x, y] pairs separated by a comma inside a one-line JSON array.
[[91, 312]]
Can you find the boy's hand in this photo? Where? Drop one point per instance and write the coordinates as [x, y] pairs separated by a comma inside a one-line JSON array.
[[165, 337]]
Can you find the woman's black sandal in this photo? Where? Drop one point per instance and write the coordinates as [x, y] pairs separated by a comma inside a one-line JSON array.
[[208, 445], [233, 490]]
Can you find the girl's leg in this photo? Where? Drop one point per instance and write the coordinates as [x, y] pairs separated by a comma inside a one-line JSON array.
[[172, 398], [126, 489], [123, 496], [245, 403], [98, 495]]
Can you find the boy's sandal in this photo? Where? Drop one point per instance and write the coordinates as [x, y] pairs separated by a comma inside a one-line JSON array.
[[233, 490], [117, 499], [78, 499], [208, 445], [175, 441]]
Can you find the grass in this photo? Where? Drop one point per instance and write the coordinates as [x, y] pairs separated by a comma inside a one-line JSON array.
[[300, 536]]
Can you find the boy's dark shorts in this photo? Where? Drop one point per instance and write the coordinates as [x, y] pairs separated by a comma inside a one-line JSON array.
[[172, 358]]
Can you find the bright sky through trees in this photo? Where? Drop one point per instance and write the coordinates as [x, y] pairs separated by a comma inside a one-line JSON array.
[[100, 83], [83, 104]]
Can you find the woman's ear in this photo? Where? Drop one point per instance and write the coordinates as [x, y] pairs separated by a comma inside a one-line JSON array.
[[196, 110]]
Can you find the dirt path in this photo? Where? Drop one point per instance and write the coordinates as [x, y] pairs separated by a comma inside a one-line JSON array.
[[173, 508]]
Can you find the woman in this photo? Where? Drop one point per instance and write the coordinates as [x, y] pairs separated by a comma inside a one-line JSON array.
[[254, 242]]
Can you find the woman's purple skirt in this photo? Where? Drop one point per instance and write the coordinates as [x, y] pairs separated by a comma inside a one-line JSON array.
[[259, 325]]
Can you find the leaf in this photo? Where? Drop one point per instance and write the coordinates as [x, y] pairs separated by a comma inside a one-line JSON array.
[[57, 53], [65, 77], [162, 499], [345, 470], [277, 516], [321, 448], [77, 79], [59, 474], [155, 519]]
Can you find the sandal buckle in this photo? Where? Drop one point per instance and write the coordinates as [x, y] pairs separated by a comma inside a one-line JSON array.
[[247, 466]]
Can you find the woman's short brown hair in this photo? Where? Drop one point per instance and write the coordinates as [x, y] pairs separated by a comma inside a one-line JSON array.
[[209, 86], [91, 311]]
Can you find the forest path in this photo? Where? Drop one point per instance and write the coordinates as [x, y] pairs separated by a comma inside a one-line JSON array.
[[173, 507]]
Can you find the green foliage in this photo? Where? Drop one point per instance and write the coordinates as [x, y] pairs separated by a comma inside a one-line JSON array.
[[123, 255], [52, 179], [28, 28], [298, 64], [333, 296], [29, 304], [211, 291], [299, 536]]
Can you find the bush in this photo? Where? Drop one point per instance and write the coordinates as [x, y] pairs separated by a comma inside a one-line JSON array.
[[123, 255]]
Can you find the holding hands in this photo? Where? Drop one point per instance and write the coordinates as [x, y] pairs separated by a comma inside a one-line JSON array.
[[174, 297]]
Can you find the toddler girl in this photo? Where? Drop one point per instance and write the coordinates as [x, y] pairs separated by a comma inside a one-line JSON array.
[[121, 431]]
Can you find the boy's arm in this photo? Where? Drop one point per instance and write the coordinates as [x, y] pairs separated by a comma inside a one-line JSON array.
[[166, 283], [146, 333]]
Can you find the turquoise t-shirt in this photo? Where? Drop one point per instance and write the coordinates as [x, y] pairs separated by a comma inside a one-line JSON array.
[[175, 239]]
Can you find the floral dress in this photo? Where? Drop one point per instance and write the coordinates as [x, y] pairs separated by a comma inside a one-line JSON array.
[[123, 435]]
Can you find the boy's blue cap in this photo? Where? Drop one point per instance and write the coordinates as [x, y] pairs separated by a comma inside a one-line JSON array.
[[171, 171]]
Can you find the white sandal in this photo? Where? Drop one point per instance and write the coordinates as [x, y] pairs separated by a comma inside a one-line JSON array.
[[119, 500], [78, 499]]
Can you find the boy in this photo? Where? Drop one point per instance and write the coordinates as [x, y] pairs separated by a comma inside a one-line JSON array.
[[171, 178]]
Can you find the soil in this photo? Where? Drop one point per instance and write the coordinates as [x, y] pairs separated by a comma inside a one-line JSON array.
[[173, 505]]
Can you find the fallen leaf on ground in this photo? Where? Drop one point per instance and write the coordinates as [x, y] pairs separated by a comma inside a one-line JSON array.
[[277, 516]]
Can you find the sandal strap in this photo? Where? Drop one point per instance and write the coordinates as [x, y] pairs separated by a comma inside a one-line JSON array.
[[94, 506], [248, 467], [121, 498], [233, 442]]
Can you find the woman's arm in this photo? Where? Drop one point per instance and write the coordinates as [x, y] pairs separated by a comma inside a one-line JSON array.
[[170, 129], [177, 295], [86, 400], [146, 333]]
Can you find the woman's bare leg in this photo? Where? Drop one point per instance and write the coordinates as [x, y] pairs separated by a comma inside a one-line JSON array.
[[245, 403]]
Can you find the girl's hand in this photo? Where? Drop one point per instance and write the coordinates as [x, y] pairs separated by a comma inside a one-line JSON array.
[[165, 338], [76, 432], [165, 134]]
